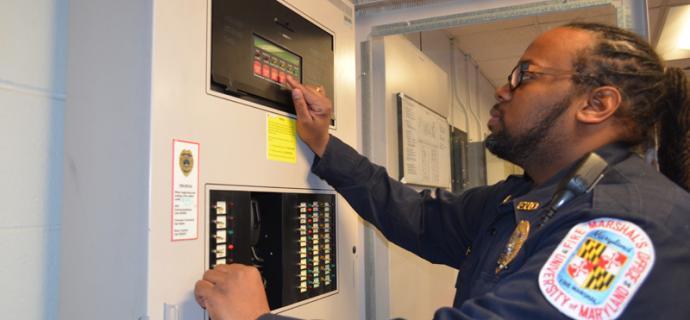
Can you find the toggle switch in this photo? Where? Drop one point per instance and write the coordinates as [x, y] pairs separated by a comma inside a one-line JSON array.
[[221, 222], [221, 207], [220, 251], [220, 236]]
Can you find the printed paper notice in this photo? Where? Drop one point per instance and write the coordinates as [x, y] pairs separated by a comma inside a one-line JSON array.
[[185, 190], [281, 138], [424, 145]]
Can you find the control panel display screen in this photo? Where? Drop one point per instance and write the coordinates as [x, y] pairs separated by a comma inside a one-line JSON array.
[[273, 63], [256, 44]]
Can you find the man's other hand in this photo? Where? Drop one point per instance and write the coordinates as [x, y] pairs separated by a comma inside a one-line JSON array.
[[232, 292], [313, 115]]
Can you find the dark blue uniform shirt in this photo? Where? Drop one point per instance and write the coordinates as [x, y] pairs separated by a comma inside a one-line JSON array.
[[469, 232]]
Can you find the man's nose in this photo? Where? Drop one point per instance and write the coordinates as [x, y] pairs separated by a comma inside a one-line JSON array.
[[503, 93]]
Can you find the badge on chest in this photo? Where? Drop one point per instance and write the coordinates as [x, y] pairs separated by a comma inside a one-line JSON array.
[[517, 239]]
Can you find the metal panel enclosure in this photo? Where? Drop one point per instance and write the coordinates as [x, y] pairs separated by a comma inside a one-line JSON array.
[[124, 201]]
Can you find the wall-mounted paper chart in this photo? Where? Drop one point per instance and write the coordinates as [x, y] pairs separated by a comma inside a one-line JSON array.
[[424, 144]]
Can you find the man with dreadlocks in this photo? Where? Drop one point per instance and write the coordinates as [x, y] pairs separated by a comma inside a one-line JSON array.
[[590, 231]]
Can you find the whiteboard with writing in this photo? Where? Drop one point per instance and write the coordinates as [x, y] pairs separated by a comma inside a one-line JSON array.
[[424, 145]]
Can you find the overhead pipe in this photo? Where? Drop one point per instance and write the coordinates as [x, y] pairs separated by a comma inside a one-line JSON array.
[[467, 94], [476, 98], [454, 89]]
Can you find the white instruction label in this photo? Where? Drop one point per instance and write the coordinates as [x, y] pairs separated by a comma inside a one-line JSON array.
[[185, 190]]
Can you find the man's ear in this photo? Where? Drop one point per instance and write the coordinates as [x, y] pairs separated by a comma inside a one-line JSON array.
[[601, 104]]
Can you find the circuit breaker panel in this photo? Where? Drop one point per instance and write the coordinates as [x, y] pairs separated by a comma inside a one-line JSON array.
[[289, 237]]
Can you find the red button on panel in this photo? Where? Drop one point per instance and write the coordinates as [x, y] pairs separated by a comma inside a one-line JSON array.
[[274, 74], [266, 71], [257, 67], [281, 77]]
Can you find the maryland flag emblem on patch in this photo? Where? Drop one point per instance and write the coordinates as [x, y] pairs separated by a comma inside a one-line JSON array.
[[596, 265]]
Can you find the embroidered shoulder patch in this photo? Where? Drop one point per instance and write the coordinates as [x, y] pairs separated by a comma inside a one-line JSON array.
[[597, 268]]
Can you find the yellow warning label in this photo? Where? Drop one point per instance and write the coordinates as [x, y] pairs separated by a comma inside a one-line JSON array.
[[281, 138]]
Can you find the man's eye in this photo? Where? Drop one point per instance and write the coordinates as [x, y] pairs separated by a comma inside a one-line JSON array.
[[526, 75]]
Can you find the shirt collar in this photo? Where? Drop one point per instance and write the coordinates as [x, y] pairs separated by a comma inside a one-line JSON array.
[[529, 203]]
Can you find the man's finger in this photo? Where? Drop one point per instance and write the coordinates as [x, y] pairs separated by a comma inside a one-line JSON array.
[[201, 290], [311, 97], [214, 276], [301, 107], [316, 90], [292, 83], [310, 92], [222, 267]]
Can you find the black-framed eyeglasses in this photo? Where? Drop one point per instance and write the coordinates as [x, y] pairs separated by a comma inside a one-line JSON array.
[[516, 76]]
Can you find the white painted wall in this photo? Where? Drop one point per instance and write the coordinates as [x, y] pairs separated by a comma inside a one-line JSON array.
[[417, 288], [472, 97], [106, 123], [33, 37]]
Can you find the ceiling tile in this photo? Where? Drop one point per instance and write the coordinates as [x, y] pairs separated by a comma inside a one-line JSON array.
[[497, 46], [497, 70]]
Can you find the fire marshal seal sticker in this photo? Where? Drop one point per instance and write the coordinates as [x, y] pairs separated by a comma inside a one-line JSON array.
[[186, 161], [597, 268]]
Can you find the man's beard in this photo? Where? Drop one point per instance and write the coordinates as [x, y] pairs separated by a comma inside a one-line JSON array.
[[531, 145]]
